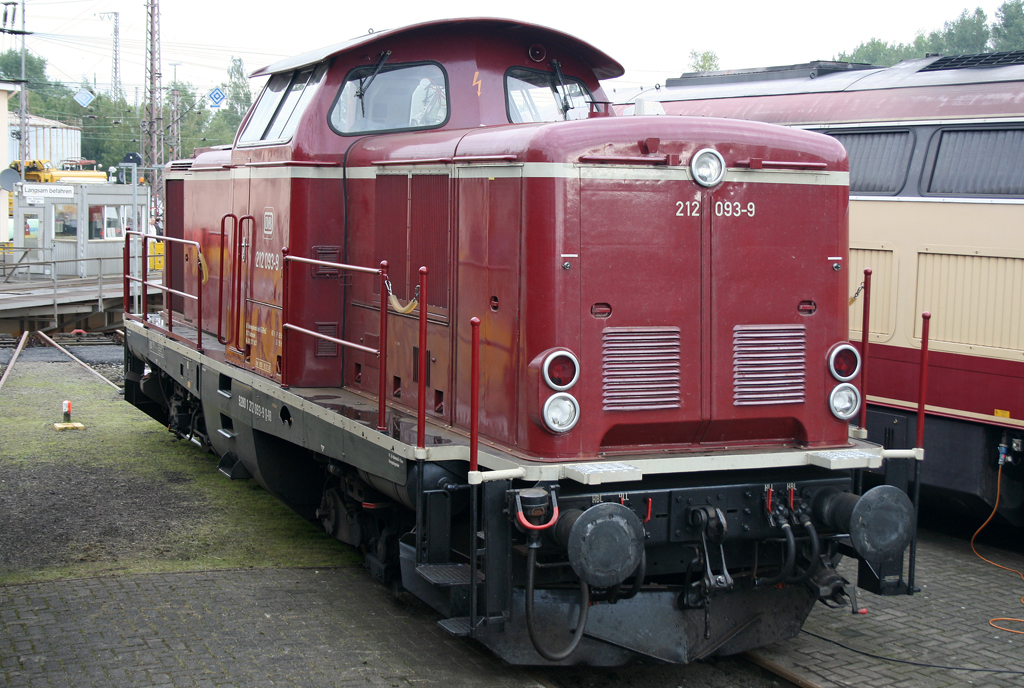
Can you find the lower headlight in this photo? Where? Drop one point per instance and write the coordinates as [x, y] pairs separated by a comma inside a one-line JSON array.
[[561, 412], [844, 402]]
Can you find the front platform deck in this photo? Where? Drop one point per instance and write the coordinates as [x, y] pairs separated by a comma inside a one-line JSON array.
[[318, 418]]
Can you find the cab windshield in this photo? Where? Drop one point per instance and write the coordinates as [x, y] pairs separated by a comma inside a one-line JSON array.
[[533, 95]]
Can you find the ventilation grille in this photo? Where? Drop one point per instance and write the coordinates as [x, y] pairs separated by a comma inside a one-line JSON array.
[[769, 362], [641, 368], [325, 348], [1012, 57]]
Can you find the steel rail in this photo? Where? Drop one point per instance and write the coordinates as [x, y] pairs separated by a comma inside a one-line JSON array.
[[10, 364], [75, 359]]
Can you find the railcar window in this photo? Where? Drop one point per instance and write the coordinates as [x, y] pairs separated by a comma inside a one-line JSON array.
[[281, 105], [399, 97], [983, 162], [533, 95], [878, 160]]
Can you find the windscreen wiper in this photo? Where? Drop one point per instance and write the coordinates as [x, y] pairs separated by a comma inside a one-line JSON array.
[[557, 66], [364, 84]]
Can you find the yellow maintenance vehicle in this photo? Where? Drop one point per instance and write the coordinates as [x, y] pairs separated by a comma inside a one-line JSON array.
[[69, 172]]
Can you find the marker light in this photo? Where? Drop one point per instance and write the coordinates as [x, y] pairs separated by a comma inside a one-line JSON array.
[[844, 401], [844, 362], [707, 167], [561, 370], [561, 412]]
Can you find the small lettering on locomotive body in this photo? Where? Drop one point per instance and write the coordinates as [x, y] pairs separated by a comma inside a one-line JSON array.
[[268, 260], [259, 412]]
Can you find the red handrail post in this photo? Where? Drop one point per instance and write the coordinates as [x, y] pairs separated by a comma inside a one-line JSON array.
[[220, 277], [865, 339], [125, 272], [382, 354], [145, 278], [923, 386], [421, 392], [474, 397], [284, 317], [168, 297], [199, 293]]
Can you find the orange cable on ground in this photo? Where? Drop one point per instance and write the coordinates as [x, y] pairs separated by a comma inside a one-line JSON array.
[[992, 622]]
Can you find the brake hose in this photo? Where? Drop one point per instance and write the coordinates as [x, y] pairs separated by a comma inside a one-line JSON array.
[[802, 576], [787, 567], [531, 565]]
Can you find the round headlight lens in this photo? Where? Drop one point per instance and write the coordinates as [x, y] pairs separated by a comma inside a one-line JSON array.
[[561, 370], [561, 412], [844, 362], [844, 401], [707, 167]]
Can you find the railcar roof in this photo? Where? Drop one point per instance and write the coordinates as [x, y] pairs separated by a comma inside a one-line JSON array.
[[603, 65], [812, 78]]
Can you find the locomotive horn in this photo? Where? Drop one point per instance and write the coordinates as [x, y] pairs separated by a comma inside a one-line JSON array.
[[881, 523]]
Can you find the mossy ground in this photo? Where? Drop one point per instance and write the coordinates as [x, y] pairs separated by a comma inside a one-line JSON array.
[[123, 495]]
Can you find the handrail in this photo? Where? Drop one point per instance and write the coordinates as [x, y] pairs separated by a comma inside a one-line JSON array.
[[128, 277], [421, 390], [237, 258], [381, 353], [865, 338], [220, 278]]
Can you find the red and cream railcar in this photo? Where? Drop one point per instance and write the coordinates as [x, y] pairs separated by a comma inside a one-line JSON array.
[[660, 312], [936, 151]]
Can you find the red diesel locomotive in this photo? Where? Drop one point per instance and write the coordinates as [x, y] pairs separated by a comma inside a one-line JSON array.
[[524, 354]]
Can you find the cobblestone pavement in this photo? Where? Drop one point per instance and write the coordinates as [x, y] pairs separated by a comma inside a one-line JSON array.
[[946, 624], [290, 627], [338, 627]]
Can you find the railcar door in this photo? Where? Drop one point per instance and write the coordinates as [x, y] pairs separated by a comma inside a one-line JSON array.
[[640, 250], [489, 201]]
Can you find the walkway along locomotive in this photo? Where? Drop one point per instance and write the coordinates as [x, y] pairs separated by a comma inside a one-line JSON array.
[[577, 381], [936, 150]]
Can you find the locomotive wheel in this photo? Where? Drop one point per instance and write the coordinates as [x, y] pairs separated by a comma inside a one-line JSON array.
[[331, 510]]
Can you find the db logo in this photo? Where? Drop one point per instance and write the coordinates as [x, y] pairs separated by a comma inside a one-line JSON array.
[[268, 222]]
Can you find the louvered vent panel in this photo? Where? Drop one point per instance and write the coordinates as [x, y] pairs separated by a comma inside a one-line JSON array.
[[641, 368], [325, 348], [769, 364]]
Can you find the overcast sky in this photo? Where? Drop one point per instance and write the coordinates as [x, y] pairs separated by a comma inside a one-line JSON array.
[[651, 38]]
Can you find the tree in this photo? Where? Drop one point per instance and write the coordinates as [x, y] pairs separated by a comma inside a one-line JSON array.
[[968, 35], [706, 61], [239, 95], [877, 52], [1008, 29]]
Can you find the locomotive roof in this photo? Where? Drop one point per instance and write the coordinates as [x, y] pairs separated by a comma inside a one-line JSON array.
[[603, 65], [833, 77]]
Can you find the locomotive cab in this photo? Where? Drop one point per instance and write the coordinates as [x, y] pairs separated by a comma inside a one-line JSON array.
[[525, 354]]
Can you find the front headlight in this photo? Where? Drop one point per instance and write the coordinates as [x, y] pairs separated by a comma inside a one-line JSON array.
[[561, 412], [707, 167], [844, 362], [844, 402]]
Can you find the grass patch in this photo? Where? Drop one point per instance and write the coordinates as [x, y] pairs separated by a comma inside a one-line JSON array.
[[124, 496]]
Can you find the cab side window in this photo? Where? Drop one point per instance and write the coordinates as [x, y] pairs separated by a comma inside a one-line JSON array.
[[281, 105], [397, 97]]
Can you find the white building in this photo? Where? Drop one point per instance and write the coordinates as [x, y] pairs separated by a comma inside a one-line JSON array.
[[47, 139]]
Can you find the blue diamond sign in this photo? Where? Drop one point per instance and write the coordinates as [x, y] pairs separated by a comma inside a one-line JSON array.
[[217, 97], [83, 98]]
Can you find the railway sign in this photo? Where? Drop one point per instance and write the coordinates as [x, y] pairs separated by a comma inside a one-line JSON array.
[[217, 97], [83, 98]]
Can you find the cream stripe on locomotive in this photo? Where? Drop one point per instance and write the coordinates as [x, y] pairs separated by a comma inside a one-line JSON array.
[[534, 170]]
